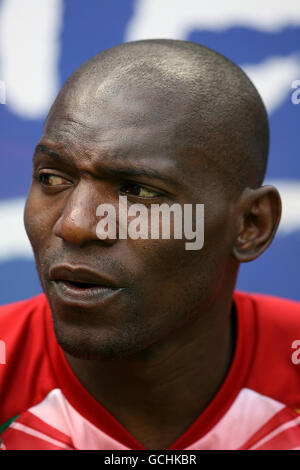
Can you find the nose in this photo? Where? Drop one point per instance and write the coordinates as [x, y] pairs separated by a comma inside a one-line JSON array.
[[78, 220]]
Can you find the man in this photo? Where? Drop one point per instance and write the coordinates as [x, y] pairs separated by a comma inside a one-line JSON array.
[[140, 343]]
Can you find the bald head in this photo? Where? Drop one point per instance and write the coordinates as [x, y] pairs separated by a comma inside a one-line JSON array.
[[221, 118]]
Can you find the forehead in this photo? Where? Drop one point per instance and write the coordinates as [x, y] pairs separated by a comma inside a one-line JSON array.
[[129, 122]]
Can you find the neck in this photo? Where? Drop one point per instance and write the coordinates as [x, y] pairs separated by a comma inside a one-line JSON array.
[[166, 386]]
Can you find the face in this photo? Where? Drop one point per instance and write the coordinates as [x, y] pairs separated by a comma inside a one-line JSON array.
[[112, 298]]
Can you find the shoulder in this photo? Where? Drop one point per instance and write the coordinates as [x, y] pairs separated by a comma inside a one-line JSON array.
[[277, 320], [270, 307], [23, 307], [25, 363], [274, 370], [16, 317]]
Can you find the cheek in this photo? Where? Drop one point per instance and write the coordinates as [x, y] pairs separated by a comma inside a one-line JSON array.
[[181, 275], [165, 272], [37, 219], [218, 228]]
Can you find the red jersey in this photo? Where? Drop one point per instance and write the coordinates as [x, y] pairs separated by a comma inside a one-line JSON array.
[[44, 406]]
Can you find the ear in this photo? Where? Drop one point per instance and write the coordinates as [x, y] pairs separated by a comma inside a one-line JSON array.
[[260, 213]]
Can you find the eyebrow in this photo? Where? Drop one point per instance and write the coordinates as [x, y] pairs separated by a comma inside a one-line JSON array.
[[125, 171]]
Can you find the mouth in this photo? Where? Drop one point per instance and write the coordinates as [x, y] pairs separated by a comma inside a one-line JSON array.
[[81, 285]]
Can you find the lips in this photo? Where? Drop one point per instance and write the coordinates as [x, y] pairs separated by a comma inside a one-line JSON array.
[[82, 275], [81, 284]]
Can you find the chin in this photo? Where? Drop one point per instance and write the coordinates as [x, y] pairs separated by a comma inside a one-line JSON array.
[[100, 345]]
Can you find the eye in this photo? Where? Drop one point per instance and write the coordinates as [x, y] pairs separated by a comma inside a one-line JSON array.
[[51, 180], [138, 190]]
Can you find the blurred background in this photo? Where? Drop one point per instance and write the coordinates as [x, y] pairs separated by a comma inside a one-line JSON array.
[[43, 41]]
